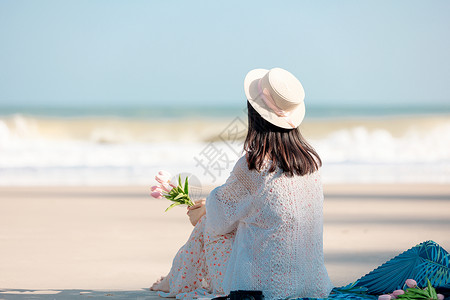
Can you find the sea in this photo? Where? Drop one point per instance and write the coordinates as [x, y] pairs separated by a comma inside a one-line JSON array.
[[128, 145]]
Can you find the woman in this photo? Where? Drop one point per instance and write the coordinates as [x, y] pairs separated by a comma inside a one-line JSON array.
[[262, 229]]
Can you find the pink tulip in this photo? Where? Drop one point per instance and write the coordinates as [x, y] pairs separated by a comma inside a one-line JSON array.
[[155, 188], [156, 195], [166, 187], [440, 297], [396, 293], [164, 173], [384, 297], [411, 283], [163, 176]]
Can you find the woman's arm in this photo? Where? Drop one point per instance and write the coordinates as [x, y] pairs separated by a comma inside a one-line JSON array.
[[229, 203]]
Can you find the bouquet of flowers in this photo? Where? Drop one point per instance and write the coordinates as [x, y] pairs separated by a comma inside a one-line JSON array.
[[413, 292], [178, 194]]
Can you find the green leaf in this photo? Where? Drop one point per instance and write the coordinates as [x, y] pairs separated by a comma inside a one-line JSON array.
[[179, 181], [416, 293], [186, 188], [180, 201], [179, 196], [431, 290], [173, 205]]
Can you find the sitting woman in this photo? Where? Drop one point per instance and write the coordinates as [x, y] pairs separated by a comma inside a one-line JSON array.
[[262, 229]]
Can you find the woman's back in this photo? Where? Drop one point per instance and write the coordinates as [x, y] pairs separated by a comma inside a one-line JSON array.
[[278, 223]]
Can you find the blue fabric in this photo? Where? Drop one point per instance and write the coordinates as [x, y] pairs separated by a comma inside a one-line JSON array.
[[424, 261]]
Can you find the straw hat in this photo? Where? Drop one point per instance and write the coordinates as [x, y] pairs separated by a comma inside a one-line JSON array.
[[276, 95]]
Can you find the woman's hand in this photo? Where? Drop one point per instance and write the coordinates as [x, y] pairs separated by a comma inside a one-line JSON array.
[[196, 211]]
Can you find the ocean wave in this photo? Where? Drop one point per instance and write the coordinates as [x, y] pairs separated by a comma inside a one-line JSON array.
[[105, 130], [111, 151], [361, 145]]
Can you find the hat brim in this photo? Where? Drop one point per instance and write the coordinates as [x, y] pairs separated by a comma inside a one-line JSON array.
[[251, 92]]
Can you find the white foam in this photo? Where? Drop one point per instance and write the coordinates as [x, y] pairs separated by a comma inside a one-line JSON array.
[[360, 145], [71, 162], [355, 154]]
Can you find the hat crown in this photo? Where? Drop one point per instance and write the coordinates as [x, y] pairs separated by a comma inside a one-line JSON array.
[[286, 86], [276, 95]]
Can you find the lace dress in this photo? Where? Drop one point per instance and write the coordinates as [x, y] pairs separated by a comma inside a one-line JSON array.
[[262, 231]]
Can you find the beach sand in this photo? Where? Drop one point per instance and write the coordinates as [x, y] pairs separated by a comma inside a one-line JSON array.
[[113, 242]]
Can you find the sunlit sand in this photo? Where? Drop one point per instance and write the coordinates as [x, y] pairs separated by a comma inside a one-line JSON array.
[[76, 241]]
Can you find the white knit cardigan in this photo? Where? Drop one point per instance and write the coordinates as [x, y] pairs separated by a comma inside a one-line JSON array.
[[278, 220]]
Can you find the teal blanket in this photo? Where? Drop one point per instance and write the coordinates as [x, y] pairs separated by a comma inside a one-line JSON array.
[[425, 261]]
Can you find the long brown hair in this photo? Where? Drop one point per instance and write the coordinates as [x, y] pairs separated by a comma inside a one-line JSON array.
[[285, 147]]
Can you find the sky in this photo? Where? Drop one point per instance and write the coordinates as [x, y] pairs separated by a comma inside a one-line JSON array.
[[109, 52]]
